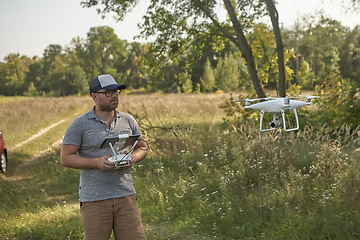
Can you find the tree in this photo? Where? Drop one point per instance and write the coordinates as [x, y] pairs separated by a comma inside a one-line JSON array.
[[179, 23], [136, 75], [50, 53], [185, 82], [14, 70], [33, 78], [320, 46], [184, 78], [304, 76], [280, 48], [52, 59], [292, 40], [263, 46], [350, 56], [350, 5], [104, 52], [208, 80], [72, 81], [227, 74]]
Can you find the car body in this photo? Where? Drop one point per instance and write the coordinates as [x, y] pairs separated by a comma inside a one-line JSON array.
[[3, 154]]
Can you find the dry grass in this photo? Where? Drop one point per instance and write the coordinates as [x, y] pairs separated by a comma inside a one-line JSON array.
[[20, 119], [174, 105]]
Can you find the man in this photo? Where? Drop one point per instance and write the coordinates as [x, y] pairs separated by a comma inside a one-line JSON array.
[[108, 200]]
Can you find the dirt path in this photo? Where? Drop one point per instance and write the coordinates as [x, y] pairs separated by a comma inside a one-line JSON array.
[[42, 153], [41, 132]]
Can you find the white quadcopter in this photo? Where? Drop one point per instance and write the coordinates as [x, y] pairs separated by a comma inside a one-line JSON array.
[[277, 107]]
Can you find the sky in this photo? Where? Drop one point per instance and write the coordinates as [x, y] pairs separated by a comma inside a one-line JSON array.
[[29, 27]]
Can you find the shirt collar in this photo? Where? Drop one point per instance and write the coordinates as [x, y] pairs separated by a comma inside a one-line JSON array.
[[93, 115]]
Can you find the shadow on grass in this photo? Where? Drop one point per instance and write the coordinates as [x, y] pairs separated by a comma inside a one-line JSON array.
[[15, 158], [42, 183]]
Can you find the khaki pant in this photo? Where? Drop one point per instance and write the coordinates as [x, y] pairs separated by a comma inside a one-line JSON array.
[[119, 214]]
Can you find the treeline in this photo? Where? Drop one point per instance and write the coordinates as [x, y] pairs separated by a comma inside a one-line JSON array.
[[317, 49]]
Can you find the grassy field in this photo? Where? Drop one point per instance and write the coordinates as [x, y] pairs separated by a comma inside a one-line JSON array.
[[204, 177]]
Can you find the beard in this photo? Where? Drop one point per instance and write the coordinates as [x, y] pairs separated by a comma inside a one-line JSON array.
[[109, 106]]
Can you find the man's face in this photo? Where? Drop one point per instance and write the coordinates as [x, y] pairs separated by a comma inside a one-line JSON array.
[[107, 100]]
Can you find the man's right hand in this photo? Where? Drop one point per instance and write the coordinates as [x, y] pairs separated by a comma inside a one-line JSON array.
[[104, 164], [70, 158]]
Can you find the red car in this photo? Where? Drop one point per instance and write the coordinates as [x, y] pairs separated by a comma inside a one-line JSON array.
[[3, 154]]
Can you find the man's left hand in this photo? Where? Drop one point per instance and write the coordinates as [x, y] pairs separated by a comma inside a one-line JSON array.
[[131, 163]]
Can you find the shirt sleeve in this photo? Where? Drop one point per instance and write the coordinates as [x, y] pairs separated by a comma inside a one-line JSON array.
[[135, 126], [73, 134]]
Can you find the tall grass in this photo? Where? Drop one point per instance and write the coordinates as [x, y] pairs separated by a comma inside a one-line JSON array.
[[203, 181], [27, 118], [23, 118], [243, 185]]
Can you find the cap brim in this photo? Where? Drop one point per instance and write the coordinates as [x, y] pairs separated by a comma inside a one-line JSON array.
[[115, 86]]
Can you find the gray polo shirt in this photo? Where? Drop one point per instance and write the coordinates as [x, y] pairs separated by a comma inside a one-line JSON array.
[[88, 132]]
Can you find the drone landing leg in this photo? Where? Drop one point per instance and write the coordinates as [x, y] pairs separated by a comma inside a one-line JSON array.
[[297, 121], [261, 122]]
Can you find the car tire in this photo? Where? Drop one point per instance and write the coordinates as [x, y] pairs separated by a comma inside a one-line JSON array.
[[3, 162]]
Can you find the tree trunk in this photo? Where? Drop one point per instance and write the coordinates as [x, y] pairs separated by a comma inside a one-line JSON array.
[[241, 42], [280, 48]]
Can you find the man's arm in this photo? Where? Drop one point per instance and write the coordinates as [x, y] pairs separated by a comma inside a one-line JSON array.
[[70, 158], [140, 151]]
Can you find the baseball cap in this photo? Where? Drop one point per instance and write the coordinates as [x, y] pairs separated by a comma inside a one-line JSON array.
[[105, 81]]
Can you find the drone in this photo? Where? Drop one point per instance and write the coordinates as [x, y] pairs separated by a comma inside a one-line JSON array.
[[277, 107]]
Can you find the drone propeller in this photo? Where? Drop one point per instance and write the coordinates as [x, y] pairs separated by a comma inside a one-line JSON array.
[[244, 100], [269, 98], [251, 100], [308, 98], [247, 101]]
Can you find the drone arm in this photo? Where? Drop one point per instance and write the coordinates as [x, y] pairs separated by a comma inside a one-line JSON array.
[[297, 121]]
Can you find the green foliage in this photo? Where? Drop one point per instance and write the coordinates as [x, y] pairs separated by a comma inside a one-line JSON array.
[[71, 82], [208, 80], [317, 42], [52, 58], [294, 90], [350, 56], [185, 82], [227, 74], [305, 76], [14, 70], [236, 115], [264, 50], [32, 91], [339, 103], [103, 51], [178, 25], [33, 79]]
